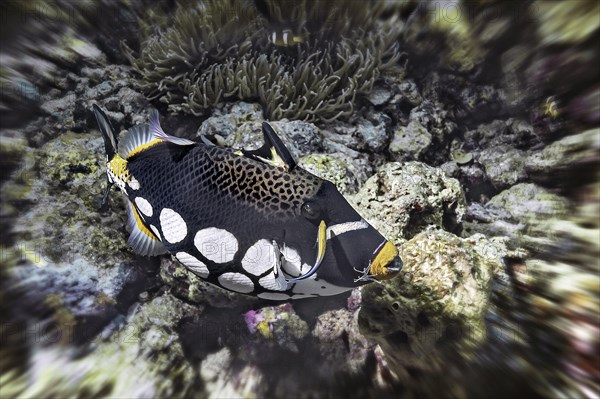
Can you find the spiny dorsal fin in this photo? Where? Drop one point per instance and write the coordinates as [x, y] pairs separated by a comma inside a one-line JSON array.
[[108, 133], [273, 151], [158, 133]]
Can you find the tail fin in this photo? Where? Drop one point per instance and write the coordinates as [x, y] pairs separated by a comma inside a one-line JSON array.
[[108, 133]]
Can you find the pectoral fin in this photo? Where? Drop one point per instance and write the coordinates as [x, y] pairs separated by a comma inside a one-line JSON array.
[[141, 239]]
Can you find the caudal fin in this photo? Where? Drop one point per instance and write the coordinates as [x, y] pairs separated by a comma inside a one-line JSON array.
[[108, 133]]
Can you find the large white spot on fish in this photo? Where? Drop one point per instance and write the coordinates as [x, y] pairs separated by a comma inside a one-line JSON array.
[[144, 206], [271, 282], [133, 183], [292, 262], [155, 231], [172, 225], [215, 244], [236, 282], [193, 263], [274, 296], [260, 257]]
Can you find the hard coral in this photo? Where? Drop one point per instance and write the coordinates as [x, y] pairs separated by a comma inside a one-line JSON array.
[[218, 51]]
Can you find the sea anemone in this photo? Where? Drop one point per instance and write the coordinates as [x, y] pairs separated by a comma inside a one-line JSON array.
[[219, 51]]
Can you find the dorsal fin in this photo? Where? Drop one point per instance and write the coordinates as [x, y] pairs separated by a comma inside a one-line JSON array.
[[141, 137], [108, 132], [158, 133], [273, 151], [135, 140]]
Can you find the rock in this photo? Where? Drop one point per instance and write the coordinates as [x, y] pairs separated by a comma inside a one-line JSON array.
[[526, 202], [402, 199], [225, 121], [82, 298], [432, 116], [486, 134], [75, 262], [410, 142], [68, 167], [568, 161], [361, 164], [334, 168], [301, 138], [482, 101], [450, 169], [211, 371], [341, 345], [522, 213], [504, 166], [13, 147], [278, 325], [379, 95], [408, 93], [434, 312], [132, 361], [239, 126], [365, 134], [585, 107]]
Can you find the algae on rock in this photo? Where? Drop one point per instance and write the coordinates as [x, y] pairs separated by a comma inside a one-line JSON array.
[[333, 168], [434, 312], [402, 199], [143, 359]]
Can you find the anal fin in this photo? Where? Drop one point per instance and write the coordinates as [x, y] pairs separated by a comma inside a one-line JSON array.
[[141, 239]]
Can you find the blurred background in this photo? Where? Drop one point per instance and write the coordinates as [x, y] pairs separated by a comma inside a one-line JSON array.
[[465, 131]]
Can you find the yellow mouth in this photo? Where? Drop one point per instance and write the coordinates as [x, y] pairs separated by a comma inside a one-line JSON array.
[[386, 263]]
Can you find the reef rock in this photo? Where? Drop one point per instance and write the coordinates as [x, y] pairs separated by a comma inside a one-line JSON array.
[[401, 199], [341, 346], [334, 168], [132, 361], [433, 313], [516, 212], [410, 142], [556, 163]]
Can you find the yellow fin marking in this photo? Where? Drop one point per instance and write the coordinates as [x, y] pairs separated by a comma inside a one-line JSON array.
[[275, 160], [140, 224], [143, 147]]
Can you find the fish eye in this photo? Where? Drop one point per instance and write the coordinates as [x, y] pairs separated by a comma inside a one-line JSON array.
[[310, 210]]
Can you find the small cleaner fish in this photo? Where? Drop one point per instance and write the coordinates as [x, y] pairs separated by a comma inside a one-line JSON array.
[[249, 221]]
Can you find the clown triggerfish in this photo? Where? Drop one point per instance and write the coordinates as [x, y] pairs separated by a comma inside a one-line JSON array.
[[248, 221]]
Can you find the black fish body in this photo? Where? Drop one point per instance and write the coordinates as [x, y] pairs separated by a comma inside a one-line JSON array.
[[250, 222]]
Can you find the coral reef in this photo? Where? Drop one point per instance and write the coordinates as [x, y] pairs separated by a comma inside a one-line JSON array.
[[401, 199], [128, 361], [279, 324], [436, 311], [475, 151]]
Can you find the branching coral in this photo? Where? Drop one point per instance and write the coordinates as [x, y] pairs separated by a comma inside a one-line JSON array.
[[219, 51]]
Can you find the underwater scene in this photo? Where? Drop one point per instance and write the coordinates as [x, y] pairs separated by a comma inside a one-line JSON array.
[[299, 199]]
